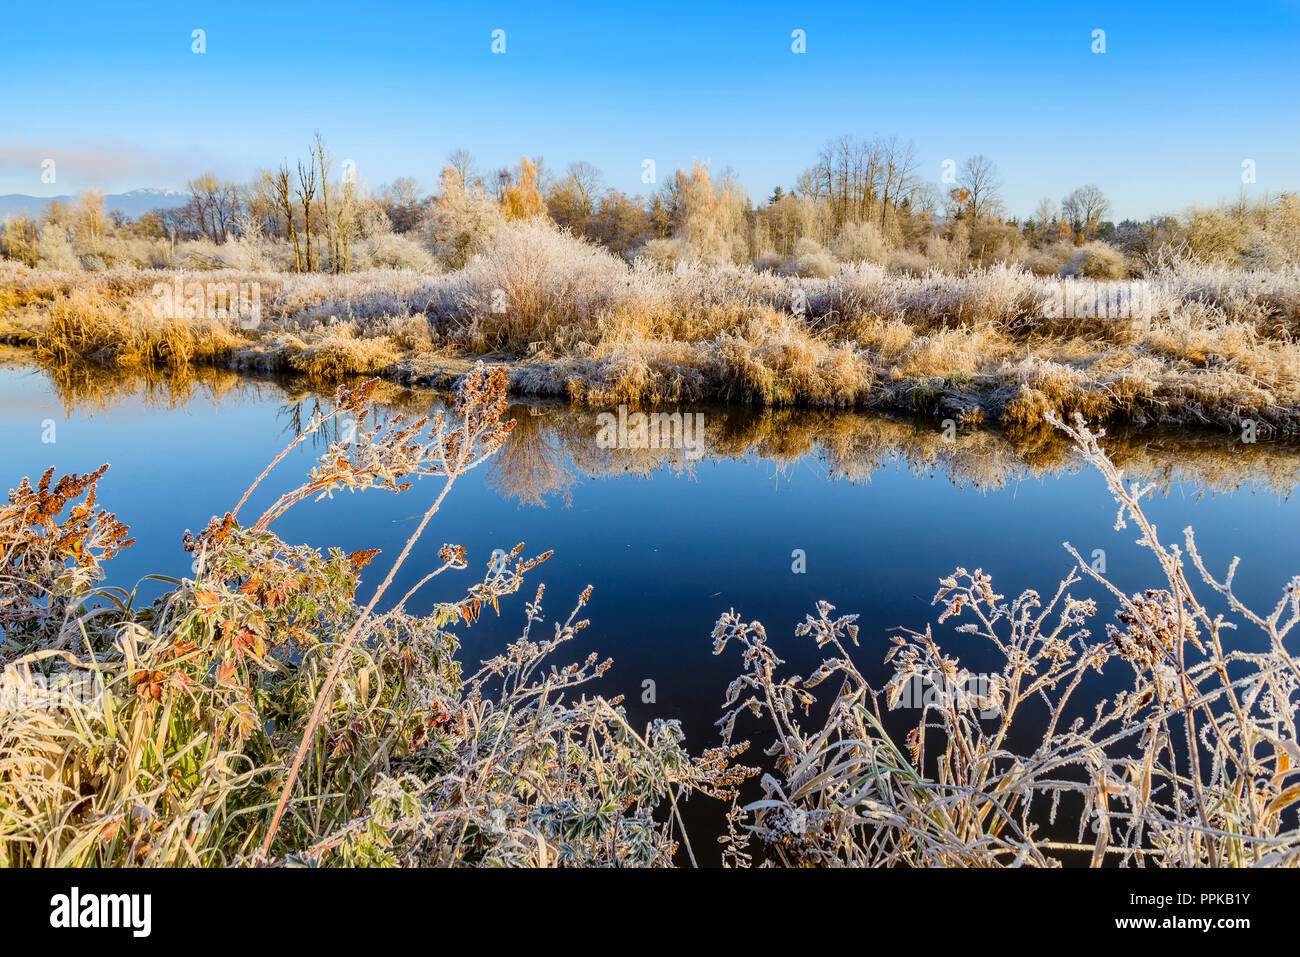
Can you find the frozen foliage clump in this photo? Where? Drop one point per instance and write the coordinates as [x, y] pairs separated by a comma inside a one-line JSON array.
[[861, 242], [1193, 762], [462, 222], [1049, 260], [811, 261], [197, 255], [663, 253], [391, 251], [1097, 261], [55, 251], [534, 284]]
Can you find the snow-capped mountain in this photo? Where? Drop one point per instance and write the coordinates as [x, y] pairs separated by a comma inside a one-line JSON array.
[[132, 203]]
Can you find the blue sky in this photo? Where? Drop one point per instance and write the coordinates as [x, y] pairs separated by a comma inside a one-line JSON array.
[[1164, 118]]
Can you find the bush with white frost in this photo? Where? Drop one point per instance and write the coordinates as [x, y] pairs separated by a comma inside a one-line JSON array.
[[534, 284], [391, 251], [663, 253], [54, 251], [197, 255], [1097, 261], [1049, 260], [461, 224], [812, 261], [860, 242]]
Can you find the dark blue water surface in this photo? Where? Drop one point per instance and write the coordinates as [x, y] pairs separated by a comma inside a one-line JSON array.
[[668, 549]]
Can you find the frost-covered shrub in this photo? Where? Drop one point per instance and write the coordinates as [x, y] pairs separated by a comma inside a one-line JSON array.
[[807, 247], [1215, 235], [247, 253], [1049, 260], [1275, 243], [908, 261], [812, 261], [1097, 261], [771, 262], [815, 266], [535, 283], [197, 254], [860, 242], [391, 251], [948, 255], [54, 250], [461, 224], [994, 242], [663, 253], [115, 251]]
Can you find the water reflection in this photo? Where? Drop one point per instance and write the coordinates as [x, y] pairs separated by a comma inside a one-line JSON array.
[[555, 445]]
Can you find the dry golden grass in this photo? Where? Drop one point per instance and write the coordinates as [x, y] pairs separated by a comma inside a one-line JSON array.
[[90, 324], [337, 357]]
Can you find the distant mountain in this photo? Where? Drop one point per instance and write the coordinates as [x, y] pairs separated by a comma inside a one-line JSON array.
[[133, 204]]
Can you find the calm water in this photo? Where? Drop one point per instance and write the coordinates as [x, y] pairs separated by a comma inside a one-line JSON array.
[[881, 509]]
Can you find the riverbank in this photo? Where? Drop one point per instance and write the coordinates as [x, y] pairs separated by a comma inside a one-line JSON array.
[[556, 441], [1211, 347]]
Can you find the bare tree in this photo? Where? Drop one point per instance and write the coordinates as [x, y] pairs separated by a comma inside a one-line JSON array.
[[860, 181], [282, 190], [500, 182], [260, 203], [325, 162], [346, 223], [847, 178], [572, 201], [979, 178], [1085, 209], [1045, 211], [214, 205], [463, 162], [306, 189], [89, 217], [899, 164], [1044, 215], [402, 203], [620, 221]]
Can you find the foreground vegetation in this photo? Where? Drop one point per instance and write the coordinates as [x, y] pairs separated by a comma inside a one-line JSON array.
[[259, 713]]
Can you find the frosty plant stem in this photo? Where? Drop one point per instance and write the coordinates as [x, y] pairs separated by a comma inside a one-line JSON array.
[[1172, 567], [480, 401], [337, 664], [312, 426]]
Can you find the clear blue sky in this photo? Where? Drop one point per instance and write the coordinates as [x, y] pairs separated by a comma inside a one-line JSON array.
[[1162, 119]]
